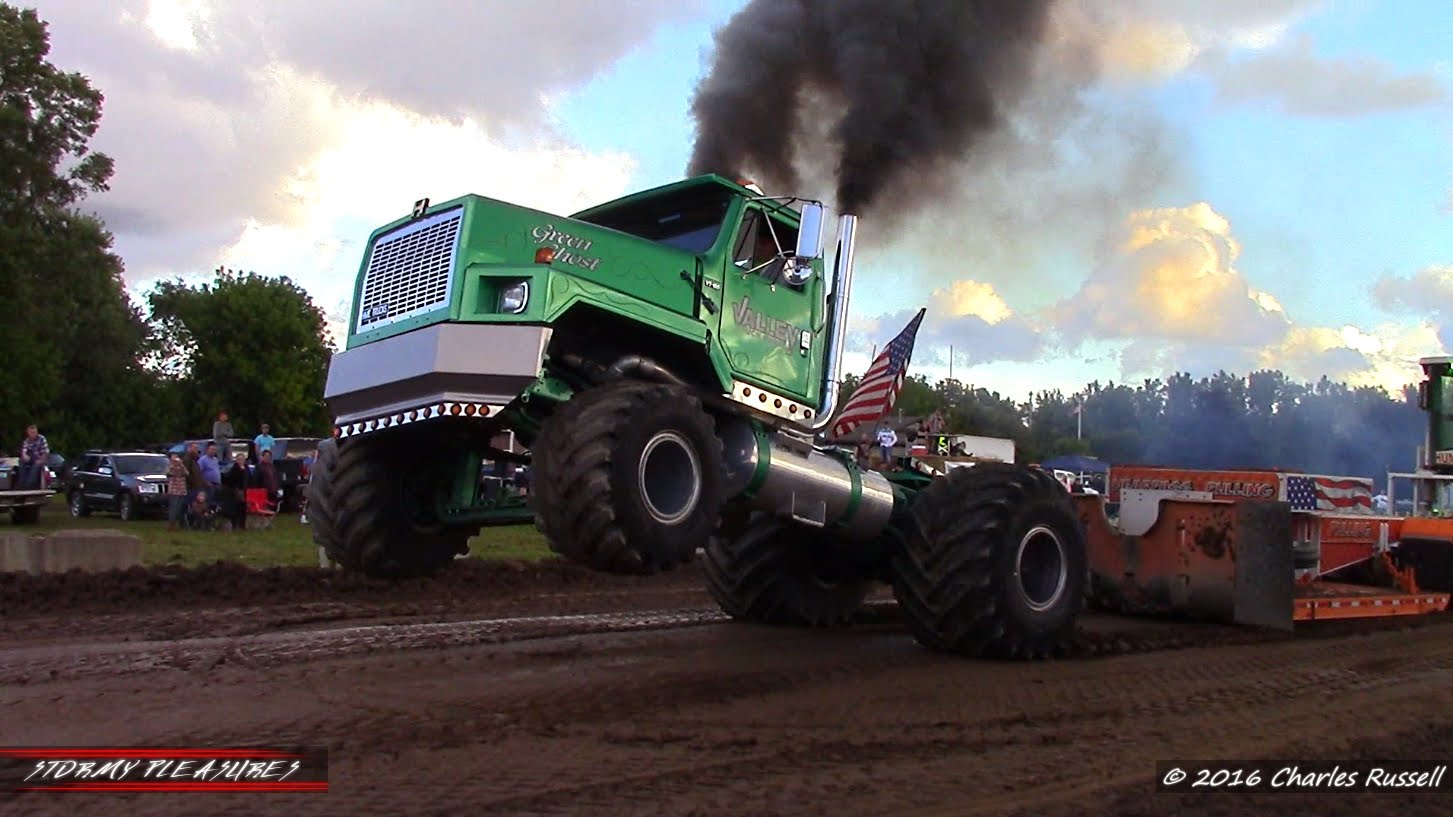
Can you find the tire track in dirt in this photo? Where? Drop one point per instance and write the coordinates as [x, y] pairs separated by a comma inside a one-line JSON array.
[[709, 718], [1030, 750], [270, 649], [743, 720]]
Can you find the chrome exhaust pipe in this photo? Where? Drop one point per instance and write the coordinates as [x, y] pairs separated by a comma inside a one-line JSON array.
[[793, 481], [842, 286]]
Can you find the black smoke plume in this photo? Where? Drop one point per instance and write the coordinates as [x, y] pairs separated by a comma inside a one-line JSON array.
[[916, 82]]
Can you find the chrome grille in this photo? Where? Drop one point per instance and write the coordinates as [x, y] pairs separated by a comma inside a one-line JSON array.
[[410, 270]]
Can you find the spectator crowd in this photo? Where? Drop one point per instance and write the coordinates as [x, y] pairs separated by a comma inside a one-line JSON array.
[[207, 487]]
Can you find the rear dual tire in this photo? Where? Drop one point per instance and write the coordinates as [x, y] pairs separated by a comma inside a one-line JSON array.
[[776, 572], [993, 564]]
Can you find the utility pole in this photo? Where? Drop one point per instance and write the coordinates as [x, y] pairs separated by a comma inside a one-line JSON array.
[[950, 363]]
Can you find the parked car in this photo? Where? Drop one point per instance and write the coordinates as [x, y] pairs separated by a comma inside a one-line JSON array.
[[130, 483]]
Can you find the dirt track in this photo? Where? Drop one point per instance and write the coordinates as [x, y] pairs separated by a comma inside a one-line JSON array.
[[474, 696]]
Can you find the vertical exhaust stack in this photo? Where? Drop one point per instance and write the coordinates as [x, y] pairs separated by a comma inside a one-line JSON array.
[[842, 286]]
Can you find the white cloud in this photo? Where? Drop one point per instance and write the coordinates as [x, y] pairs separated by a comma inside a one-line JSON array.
[[1172, 275], [968, 317], [1426, 293], [1136, 40], [225, 118], [1385, 356], [1301, 82], [384, 160], [1169, 291]]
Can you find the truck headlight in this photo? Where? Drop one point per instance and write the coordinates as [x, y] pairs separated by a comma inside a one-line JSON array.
[[515, 297]]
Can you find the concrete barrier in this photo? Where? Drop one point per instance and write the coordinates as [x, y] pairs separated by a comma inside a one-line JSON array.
[[88, 550]]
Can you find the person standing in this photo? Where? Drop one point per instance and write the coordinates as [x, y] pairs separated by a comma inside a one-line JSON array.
[[196, 484], [222, 436], [177, 475], [211, 472], [887, 438], [264, 441], [935, 422], [234, 494], [266, 476]]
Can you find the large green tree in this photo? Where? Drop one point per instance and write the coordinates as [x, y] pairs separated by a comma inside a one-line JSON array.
[[71, 334], [253, 345]]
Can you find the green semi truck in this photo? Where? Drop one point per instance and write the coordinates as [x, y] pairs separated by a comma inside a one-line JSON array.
[[670, 359]]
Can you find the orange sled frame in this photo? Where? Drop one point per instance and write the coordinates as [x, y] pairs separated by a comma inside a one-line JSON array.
[[1232, 561]]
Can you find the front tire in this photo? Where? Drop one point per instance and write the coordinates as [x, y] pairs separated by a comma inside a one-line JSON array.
[[993, 564], [376, 526], [78, 507], [779, 573], [629, 477], [126, 508]]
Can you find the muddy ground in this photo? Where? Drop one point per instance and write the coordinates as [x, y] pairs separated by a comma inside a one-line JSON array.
[[544, 690]]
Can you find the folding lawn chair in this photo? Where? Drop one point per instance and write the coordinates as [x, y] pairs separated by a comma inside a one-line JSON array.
[[261, 510]]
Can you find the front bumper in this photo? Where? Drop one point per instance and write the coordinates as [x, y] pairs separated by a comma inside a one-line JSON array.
[[459, 369]]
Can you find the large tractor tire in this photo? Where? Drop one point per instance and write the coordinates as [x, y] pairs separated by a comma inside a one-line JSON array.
[[628, 477], [321, 514], [775, 572], [993, 564], [375, 502]]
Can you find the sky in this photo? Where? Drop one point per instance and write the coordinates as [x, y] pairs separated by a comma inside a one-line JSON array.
[[1235, 185]]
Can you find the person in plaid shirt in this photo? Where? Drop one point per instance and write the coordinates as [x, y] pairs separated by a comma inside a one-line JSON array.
[[176, 491], [34, 453]]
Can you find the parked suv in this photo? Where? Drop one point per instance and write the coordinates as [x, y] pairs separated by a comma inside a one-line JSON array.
[[131, 483]]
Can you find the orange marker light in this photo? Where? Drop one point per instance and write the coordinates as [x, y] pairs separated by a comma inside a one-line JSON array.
[[545, 255]]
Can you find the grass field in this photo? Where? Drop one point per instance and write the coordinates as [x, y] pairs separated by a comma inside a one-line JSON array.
[[286, 542]]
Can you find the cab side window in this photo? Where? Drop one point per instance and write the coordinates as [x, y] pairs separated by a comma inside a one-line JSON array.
[[760, 245]]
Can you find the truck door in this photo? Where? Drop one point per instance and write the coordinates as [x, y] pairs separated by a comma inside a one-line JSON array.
[[766, 323], [103, 488]]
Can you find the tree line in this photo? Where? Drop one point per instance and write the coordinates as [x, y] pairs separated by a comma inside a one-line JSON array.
[[83, 361], [1261, 420]]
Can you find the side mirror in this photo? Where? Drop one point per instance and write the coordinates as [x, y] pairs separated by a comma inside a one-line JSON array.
[[809, 234]]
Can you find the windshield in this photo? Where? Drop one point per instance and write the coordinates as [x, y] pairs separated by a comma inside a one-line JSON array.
[[141, 464], [688, 220]]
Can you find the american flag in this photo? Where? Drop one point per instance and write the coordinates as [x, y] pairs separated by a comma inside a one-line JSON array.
[[879, 388], [1306, 493]]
